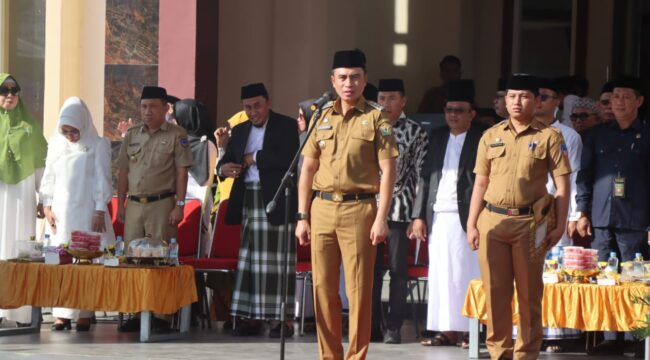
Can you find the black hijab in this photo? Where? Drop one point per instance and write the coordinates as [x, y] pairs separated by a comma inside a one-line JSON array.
[[195, 119]]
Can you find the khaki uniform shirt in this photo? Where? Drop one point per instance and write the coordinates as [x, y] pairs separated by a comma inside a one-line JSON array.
[[349, 148], [152, 159], [518, 164]]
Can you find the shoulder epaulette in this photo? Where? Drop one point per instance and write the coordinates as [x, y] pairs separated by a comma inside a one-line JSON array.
[[135, 127], [328, 104], [501, 122], [375, 105]]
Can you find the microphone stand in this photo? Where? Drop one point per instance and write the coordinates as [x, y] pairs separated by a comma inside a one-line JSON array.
[[287, 184]]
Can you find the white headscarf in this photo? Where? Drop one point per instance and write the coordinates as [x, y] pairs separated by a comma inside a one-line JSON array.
[[74, 113]]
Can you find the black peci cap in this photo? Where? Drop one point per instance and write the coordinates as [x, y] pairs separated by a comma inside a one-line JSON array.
[[523, 82], [349, 59], [253, 90], [461, 90], [154, 92], [391, 85]]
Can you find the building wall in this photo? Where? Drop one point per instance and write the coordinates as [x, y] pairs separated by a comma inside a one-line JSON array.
[[289, 44], [599, 44], [74, 53]]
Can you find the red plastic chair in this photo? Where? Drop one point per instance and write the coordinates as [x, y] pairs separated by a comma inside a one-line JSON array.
[[418, 271], [223, 256]]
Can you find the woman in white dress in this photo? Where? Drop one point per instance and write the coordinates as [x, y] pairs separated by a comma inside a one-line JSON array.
[[22, 158], [75, 189]]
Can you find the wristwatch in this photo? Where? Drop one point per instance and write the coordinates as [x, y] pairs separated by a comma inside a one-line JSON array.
[[180, 203], [302, 216]]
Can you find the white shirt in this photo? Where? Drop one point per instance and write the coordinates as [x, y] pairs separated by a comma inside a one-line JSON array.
[[574, 146], [253, 145], [447, 198]]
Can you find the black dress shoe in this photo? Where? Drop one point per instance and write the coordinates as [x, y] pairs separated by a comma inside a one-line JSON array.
[[392, 337], [82, 327], [275, 332], [65, 325], [131, 325]]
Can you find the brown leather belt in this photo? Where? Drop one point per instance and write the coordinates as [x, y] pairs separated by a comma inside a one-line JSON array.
[[339, 197], [509, 211], [148, 199]]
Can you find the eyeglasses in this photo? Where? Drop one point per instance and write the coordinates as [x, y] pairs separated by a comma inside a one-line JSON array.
[[4, 91], [604, 102], [455, 111], [73, 132], [545, 97], [580, 116]]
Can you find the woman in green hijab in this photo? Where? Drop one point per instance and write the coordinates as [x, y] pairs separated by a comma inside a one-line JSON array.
[[22, 159]]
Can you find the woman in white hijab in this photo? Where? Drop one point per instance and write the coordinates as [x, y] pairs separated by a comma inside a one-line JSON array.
[[75, 189]]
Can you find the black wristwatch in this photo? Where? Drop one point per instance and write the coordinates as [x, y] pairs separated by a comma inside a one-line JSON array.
[[302, 216]]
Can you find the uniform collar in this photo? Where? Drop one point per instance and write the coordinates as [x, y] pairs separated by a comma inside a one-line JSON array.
[[535, 124], [164, 127], [360, 106], [636, 125]]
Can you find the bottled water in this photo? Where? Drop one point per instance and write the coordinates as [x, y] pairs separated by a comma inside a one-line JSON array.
[[638, 265], [173, 252], [119, 246], [612, 263]]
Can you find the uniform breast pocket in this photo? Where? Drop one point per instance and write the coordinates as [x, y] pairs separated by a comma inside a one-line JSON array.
[[134, 153], [164, 153], [362, 142], [497, 158], [536, 161], [325, 141]]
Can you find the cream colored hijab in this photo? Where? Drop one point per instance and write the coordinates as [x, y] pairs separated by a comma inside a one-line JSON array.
[[75, 113]]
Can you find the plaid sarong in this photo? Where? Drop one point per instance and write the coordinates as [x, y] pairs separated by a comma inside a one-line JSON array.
[[258, 283]]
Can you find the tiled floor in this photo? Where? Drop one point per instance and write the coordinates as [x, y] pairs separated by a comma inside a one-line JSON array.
[[104, 342]]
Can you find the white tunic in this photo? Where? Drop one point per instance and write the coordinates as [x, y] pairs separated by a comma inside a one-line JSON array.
[[18, 222], [253, 145], [77, 181], [574, 148], [452, 264]]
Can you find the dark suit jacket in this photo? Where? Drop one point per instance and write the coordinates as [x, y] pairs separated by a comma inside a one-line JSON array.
[[432, 173], [280, 145]]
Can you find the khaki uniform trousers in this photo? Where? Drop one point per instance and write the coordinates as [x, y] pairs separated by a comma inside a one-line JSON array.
[[341, 232], [504, 255], [151, 218]]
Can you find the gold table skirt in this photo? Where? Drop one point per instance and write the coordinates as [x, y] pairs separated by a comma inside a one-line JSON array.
[[95, 287], [586, 307]]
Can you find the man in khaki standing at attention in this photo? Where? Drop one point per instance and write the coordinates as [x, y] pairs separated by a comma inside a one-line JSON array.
[[513, 220], [351, 145], [153, 162]]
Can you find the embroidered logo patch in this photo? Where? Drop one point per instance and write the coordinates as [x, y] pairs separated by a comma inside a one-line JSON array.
[[564, 149], [386, 130], [184, 142]]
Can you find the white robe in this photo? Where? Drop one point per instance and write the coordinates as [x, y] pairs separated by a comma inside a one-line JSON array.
[[574, 148], [18, 222], [77, 182], [452, 264]]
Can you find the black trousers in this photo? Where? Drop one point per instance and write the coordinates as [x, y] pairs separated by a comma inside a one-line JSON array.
[[626, 243], [397, 244]]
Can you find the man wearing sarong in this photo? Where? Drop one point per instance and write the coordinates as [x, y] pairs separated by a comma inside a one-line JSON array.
[[257, 156]]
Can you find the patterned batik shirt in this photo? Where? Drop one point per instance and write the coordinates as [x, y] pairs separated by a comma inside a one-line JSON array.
[[412, 142]]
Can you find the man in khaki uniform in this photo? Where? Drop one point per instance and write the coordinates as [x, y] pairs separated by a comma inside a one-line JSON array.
[[153, 162], [512, 219], [352, 143]]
